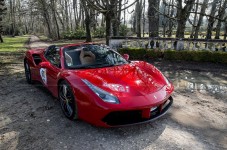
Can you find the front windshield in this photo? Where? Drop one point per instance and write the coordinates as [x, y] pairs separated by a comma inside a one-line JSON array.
[[91, 56]]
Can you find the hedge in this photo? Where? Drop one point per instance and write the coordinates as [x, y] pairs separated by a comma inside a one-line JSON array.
[[186, 55]]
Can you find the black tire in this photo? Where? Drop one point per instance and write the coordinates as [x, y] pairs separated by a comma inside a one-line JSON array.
[[67, 101], [27, 71]]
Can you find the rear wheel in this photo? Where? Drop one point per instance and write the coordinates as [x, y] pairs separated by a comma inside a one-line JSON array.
[[27, 72], [67, 100]]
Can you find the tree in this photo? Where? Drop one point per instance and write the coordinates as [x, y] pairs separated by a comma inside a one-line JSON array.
[[182, 16], [138, 13], [2, 10], [171, 23], [225, 28], [211, 19], [153, 17], [43, 6], [108, 9], [87, 22], [117, 18], [53, 7], [201, 15], [195, 18], [221, 15]]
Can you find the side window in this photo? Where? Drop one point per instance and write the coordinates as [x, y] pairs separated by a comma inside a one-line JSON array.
[[53, 56]]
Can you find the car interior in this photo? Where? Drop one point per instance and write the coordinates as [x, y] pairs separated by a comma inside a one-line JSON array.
[[52, 55], [81, 56]]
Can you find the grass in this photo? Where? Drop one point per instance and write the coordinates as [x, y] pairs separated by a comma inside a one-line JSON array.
[[14, 44]]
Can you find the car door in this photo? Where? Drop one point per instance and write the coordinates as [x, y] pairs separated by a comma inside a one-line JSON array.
[[49, 73]]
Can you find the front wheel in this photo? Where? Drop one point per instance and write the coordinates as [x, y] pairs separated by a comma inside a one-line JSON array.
[[67, 101], [27, 72]]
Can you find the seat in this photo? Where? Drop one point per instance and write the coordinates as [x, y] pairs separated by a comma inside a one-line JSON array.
[[72, 58], [87, 57]]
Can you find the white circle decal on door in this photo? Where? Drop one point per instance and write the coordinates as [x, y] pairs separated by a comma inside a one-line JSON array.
[[43, 75]]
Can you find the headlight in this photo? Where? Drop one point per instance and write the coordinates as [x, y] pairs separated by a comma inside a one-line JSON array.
[[105, 96]]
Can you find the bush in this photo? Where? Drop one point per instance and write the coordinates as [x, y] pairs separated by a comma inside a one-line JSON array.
[[123, 30], [100, 32], [186, 55], [78, 34]]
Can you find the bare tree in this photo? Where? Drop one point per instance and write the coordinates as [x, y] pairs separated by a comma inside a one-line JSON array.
[[225, 29], [195, 19], [117, 18], [87, 22], [107, 8], [211, 19], [170, 28], [53, 7], [77, 13], [201, 15], [182, 16], [221, 15], [2, 10], [138, 15], [153, 17], [144, 19]]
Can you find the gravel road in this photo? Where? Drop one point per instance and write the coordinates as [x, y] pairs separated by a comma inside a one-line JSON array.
[[30, 118]]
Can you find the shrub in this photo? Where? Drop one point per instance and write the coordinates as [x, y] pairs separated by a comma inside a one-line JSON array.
[[100, 32], [186, 55], [123, 30], [78, 34]]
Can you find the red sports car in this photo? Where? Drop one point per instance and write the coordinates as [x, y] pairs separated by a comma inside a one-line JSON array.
[[98, 85]]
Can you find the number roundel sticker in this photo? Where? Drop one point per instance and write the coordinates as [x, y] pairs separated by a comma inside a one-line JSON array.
[[43, 75]]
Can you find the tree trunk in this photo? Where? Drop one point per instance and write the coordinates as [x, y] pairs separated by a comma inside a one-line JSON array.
[[108, 26], [2, 9], [153, 17], [225, 29], [221, 16], [170, 21], [144, 21], [12, 18], [1, 39], [66, 15], [116, 18], [47, 20], [87, 22], [138, 13], [164, 22], [197, 28], [211, 19], [55, 18], [195, 18], [88, 31], [182, 16], [181, 25], [134, 23]]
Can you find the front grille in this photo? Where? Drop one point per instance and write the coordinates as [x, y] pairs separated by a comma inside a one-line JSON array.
[[121, 118], [128, 117]]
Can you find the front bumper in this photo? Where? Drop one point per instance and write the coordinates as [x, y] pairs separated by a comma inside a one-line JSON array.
[[133, 117]]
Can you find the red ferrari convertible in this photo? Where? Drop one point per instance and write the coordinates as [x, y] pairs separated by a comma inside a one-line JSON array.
[[98, 85]]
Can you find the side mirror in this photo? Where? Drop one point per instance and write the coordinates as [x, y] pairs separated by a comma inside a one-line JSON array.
[[45, 64], [126, 56]]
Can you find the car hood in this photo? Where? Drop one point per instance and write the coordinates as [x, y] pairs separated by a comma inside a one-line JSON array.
[[136, 78]]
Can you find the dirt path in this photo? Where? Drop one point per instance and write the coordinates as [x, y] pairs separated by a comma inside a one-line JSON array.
[[30, 118], [36, 43]]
